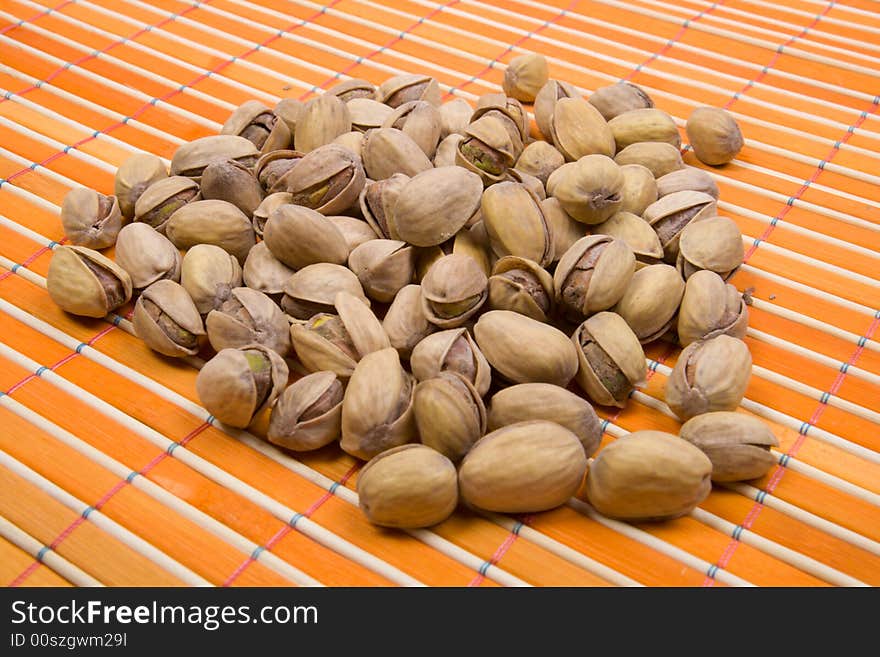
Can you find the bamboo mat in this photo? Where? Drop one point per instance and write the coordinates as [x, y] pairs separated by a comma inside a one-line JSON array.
[[112, 474]]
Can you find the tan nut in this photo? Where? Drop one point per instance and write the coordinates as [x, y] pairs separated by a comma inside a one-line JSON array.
[[737, 444], [615, 99], [248, 317], [650, 302], [312, 289], [589, 190], [209, 274], [515, 222], [657, 156], [524, 76], [669, 216], [323, 118], [578, 129], [713, 243], [90, 219], [383, 267], [711, 307], [714, 135], [523, 286], [449, 413], [453, 290], [134, 175], [405, 321], [641, 125], [452, 350], [299, 236], [146, 255], [167, 320], [212, 222], [308, 414], [83, 282]]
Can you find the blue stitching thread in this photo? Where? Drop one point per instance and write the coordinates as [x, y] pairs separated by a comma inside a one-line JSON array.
[[88, 510], [131, 476], [256, 553], [42, 553], [295, 519]]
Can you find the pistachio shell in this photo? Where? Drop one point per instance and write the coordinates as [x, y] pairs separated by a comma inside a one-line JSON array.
[[259, 124], [515, 222], [329, 179], [312, 289], [299, 236], [83, 282], [713, 243], [578, 129], [566, 230], [212, 222], [709, 308], [636, 232], [248, 317], [473, 242], [615, 99], [353, 88], [266, 207], [353, 141], [289, 110], [540, 159], [644, 124], [446, 150], [714, 135], [209, 274], [405, 321], [383, 267], [146, 255], [592, 275], [455, 115], [308, 414], [639, 188], [499, 141], [651, 301], [545, 103], [409, 86], [90, 219], [451, 350], [323, 118], [523, 286], [191, 158], [134, 175], [449, 414], [508, 110], [167, 320], [273, 166], [387, 151], [589, 190], [420, 120], [264, 272], [687, 179], [367, 113], [524, 76], [453, 290], [669, 216], [161, 199], [228, 180], [659, 157], [737, 444], [377, 200], [355, 231]]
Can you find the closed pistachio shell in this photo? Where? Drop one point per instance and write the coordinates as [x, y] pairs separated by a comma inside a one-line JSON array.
[[289, 110], [452, 350], [167, 320], [592, 275], [407, 87], [714, 135], [355, 231], [453, 290], [312, 289], [408, 487], [713, 243], [323, 118], [524, 350], [299, 236], [405, 321], [651, 301], [545, 104], [212, 222], [163, 198], [615, 99], [589, 190], [489, 149], [639, 188], [474, 242], [540, 159], [687, 179], [525, 467], [228, 180], [377, 200], [209, 274], [266, 207], [648, 476], [449, 413], [657, 156], [737, 444], [644, 124], [367, 113], [710, 375], [523, 286], [383, 267], [669, 216], [308, 414], [711, 307], [420, 120], [248, 317], [258, 124], [578, 129], [329, 179], [191, 158], [90, 219], [387, 151], [348, 90], [83, 282], [636, 232], [515, 222], [455, 115], [524, 76], [446, 150], [544, 401], [264, 272], [566, 230], [611, 361], [134, 175], [146, 255]]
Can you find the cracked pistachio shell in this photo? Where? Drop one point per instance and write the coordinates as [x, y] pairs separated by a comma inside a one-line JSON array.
[[400, 89], [237, 385], [646, 124], [658, 157], [592, 275], [313, 289], [408, 487], [377, 408], [228, 180], [405, 321], [163, 198], [566, 230], [713, 243], [474, 242], [134, 175], [578, 129], [545, 103], [348, 90], [299, 236], [146, 255], [377, 200], [167, 320], [212, 222], [515, 222], [508, 110], [611, 361], [191, 158], [420, 120], [710, 375], [83, 282], [452, 350], [264, 272], [711, 307], [289, 110], [589, 189], [524, 350], [308, 414], [524, 76], [453, 290], [455, 115], [387, 151], [323, 118], [687, 179], [488, 149], [266, 207], [328, 179], [639, 188], [449, 413], [209, 274], [669, 216], [636, 232], [434, 205], [651, 301], [539, 159], [273, 166], [90, 219], [248, 317], [648, 476], [714, 135], [615, 99], [355, 231], [367, 113], [525, 467], [737, 444], [446, 150], [523, 286], [383, 267], [544, 401], [258, 124]]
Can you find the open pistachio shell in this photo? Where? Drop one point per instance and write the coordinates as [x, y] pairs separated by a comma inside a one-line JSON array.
[[407, 87], [737, 444], [259, 124], [651, 301], [248, 317], [264, 272], [451, 350], [367, 113], [387, 151], [449, 413], [323, 118], [266, 207], [163, 198], [146, 255], [209, 274], [446, 150], [212, 222], [308, 414], [90, 219], [353, 88], [636, 232], [81, 281], [489, 149], [516, 224], [669, 216], [523, 286], [711, 307], [191, 158], [615, 99], [713, 243], [273, 166], [167, 320], [589, 190], [299, 236], [578, 129], [405, 321], [508, 110], [420, 120], [328, 179], [377, 200], [453, 290], [134, 175], [545, 103], [383, 267], [312, 289]]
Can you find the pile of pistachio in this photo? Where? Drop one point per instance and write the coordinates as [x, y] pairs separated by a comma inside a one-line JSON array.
[[447, 287]]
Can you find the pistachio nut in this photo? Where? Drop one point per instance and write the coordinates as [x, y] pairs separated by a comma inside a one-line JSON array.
[[648, 476], [524, 467], [446, 149], [383, 267], [639, 188], [83, 282], [524, 76], [237, 385], [209, 274], [353, 141], [474, 242], [212, 222], [453, 290], [377, 200], [565, 230], [420, 120], [405, 321], [651, 301], [387, 151], [669, 216], [355, 231], [323, 118], [163, 198], [611, 361], [687, 179], [589, 189], [248, 317], [167, 320], [367, 113], [449, 413], [657, 156], [289, 110], [265, 273], [524, 350], [455, 115], [377, 410], [452, 350], [615, 99], [191, 158], [645, 124], [313, 289], [710, 375], [337, 342], [90, 219], [488, 149], [400, 89], [578, 129], [134, 175], [507, 110], [636, 232], [408, 487], [266, 207], [228, 180], [353, 88], [539, 159], [545, 103], [259, 125], [592, 275], [711, 307], [308, 414], [328, 179], [737, 444], [273, 166], [713, 243], [523, 286], [147, 255], [515, 222], [714, 135], [299, 236], [544, 401]]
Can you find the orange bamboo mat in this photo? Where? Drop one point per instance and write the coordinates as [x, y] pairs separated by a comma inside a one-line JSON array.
[[111, 474]]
